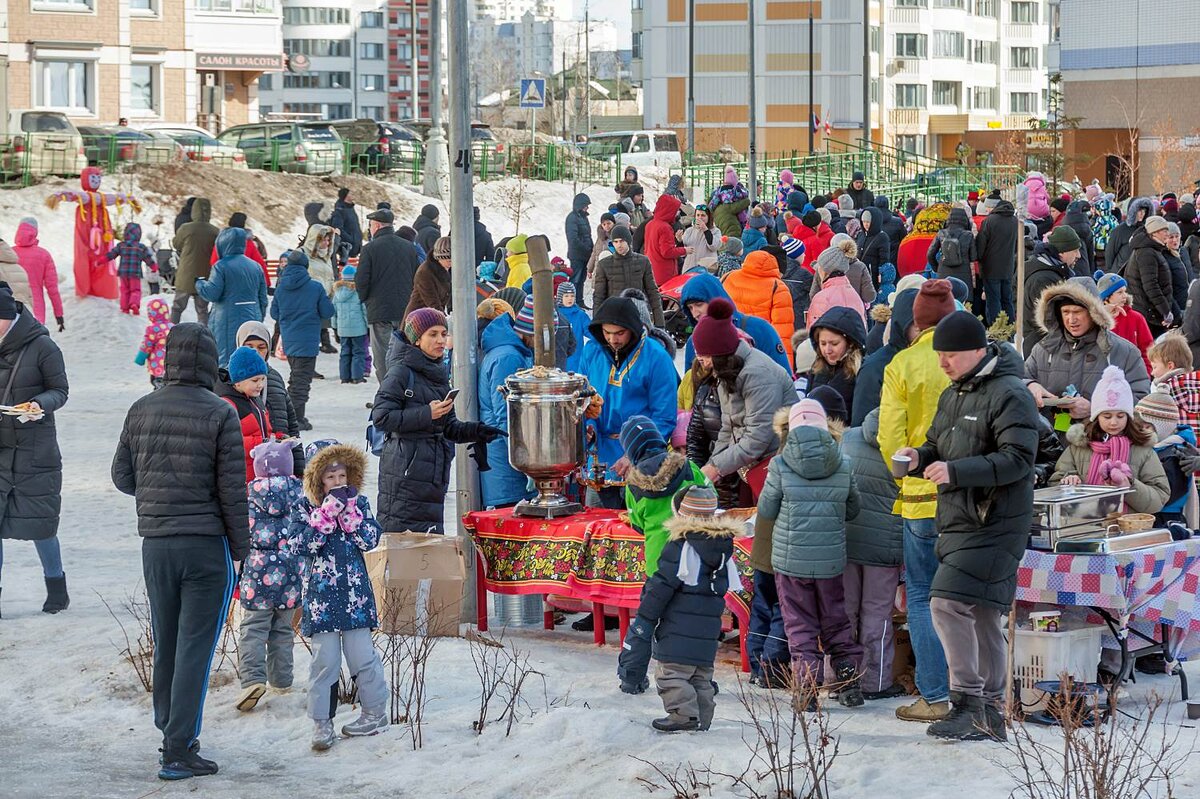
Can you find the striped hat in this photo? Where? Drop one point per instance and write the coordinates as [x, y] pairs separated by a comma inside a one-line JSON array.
[[421, 320], [792, 246], [564, 288], [524, 323], [699, 501], [639, 437], [1160, 411]]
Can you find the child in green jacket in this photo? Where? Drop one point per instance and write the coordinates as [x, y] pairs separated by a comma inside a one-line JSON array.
[[655, 473]]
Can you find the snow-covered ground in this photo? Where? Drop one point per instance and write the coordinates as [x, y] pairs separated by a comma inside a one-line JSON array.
[[74, 722]]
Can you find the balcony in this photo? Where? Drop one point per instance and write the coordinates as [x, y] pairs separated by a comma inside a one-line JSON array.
[[905, 16], [1021, 30], [1019, 76], [908, 120]]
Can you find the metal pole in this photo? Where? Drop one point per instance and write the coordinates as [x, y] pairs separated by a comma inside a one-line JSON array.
[[866, 84], [691, 79], [811, 88], [753, 108], [416, 74], [587, 68], [436, 178], [563, 98], [462, 279]]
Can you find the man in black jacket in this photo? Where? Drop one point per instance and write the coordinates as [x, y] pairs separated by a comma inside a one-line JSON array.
[[345, 219], [892, 225], [180, 455], [579, 244], [1149, 275], [858, 191], [980, 452], [996, 246], [484, 246], [384, 282], [427, 227]]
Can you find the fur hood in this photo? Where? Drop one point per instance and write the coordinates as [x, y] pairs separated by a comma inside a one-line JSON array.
[[671, 465], [1077, 435], [799, 337], [780, 423], [881, 313], [1047, 319], [680, 527], [345, 284], [354, 459]]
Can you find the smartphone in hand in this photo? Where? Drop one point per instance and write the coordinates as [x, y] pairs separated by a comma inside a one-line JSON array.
[[450, 397]]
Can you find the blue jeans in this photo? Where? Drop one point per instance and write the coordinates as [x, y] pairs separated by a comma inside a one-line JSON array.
[[920, 564], [352, 362], [49, 554], [998, 295], [766, 641]]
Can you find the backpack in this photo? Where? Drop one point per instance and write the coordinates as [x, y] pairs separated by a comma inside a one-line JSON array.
[[952, 254], [376, 438]]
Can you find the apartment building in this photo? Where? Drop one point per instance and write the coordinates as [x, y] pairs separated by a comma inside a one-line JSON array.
[[230, 45], [938, 68], [337, 61]]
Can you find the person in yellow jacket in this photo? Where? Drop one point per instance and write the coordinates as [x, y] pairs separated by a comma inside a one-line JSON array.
[[517, 259], [912, 384]]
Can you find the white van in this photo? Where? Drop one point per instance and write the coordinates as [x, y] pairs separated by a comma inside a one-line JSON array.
[[658, 148], [41, 142]]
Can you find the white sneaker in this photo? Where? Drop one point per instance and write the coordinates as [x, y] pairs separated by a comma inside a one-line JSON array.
[[250, 696], [366, 724], [323, 736]]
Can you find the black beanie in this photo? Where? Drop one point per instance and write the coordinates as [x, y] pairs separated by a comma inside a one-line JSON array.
[[621, 232], [8, 304], [237, 219], [811, 219], [343, 192], [959, 332]]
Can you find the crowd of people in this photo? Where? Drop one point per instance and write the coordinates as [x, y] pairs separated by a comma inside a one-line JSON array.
[[846, 370]]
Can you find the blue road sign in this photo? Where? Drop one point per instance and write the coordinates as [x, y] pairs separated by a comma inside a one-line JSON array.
[[533, 93]]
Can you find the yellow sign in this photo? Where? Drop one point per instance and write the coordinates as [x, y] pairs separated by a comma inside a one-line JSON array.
[[1041, 140], [995, 124]]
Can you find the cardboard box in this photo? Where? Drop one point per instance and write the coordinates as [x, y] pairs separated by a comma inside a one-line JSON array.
[[418, 580]]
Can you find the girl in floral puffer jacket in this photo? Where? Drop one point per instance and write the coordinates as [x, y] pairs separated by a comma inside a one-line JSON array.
[[153, 352]]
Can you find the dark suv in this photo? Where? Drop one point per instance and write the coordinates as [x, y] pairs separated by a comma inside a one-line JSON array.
[[372, 147]]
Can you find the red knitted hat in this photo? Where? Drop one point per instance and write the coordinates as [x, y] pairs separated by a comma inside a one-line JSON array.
[[934, 302], [715, 333]]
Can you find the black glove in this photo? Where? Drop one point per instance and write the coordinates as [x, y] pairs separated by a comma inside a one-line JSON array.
[[344, 495], [634, 659], [478, 451], [62, 326], [487, 434]]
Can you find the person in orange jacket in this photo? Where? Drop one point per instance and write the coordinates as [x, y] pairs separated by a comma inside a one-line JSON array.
[[757, 289]]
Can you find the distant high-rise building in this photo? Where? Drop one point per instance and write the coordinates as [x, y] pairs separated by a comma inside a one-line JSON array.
[[509, 10]]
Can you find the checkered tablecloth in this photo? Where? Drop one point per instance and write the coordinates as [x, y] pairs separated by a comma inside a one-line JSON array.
[[1145, 588]]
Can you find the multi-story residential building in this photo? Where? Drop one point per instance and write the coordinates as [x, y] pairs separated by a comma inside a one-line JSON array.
[[940, 67], [515, 9], [337, 61], [231, 44]]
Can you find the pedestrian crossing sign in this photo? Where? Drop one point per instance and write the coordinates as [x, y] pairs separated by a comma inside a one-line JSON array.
[[533, 93]]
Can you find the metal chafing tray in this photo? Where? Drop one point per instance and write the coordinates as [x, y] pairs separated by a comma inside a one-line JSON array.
[[1116, 542], [1072, 511]]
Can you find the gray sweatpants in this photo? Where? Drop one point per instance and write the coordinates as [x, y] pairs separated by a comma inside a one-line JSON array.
[[381, 339], [686, 691], [180, 302], [976, 654], [365, 667], [870, 599], [265, 648]]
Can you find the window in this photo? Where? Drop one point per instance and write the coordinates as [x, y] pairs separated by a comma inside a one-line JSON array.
[[1023, 57], [241, 6], [371, 112], [402, 20], [371, 51], [266, 110], [984, 52], [317, 80], [317, 47], [910, 45], [911, 144], [66, 85], [1023, 11], [143, 87], [401, 83], [875, 90], [403, 52], [373, 83], [945, 92], [305, 15], [876, 38], [948, 44], [985, 8], [641, 144], [961, 4], [637, 44], [63, 5], [338, 111], [301, 108], [910, 95], [984, 97], [912, 3], [265, 83], [144, 7], [370, 19], [1023, 102]]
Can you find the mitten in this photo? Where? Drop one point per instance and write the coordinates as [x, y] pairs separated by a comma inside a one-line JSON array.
[[343, 494], [634, 659], [333, 504], [141, 358], [351, 518], [324, 518], [62, 325], [1120, 475]]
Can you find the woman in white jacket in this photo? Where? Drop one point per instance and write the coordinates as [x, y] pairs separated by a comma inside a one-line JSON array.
[[318, 246], [702, 238]]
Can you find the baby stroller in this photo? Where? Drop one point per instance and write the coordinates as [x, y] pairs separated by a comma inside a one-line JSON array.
[[677, 323]]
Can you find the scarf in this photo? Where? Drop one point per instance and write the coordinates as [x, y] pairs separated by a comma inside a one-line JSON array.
[[1114, 450]]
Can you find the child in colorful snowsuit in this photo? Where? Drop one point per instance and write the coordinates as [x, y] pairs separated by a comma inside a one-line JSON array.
[[679, 618], [269, 589], [332, 526], [132, 254], [153, 352], [350, 322], [244, 389], [655, 475], [1175, 446]]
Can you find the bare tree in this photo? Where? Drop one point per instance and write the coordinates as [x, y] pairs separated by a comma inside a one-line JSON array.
[[406, 651], [138, 650]]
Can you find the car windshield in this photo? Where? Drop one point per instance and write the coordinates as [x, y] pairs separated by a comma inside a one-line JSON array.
[[35, 122], [398, 133], [126, 133], [607, 145], [482, 134], [191, 139], [318, 133]]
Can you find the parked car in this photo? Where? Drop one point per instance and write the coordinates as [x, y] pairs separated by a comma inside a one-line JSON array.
[[372, 146], [487, 152], [41, 142], [107, 145], [636, 147], [306, 148], [200, 146]]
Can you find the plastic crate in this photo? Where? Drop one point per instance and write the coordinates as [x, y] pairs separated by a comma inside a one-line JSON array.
[[1040, 656]]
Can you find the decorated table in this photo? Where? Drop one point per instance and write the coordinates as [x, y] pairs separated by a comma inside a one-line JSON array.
[[1150, 594], [592, 556]]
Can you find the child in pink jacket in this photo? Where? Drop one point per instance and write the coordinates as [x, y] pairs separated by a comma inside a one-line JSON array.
[[43, 275]]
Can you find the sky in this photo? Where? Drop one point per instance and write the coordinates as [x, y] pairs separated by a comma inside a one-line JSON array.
[[615, 10]]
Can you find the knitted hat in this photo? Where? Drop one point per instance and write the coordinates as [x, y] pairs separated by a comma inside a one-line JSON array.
[[314, 447], [297, 257], [1155, 224], [807, 413], [993, 199], [857, 176], [623, 233], [731, 177], [421, 320], [972, 196], [29, 220], [429, 212], [960, 290], [524, 322], [715, 333], [566, 288], [833, 262], [513, 295], [252, 329], [786, 176], [845, 203], [1109, 283], [244, 364], [935, 301], [757, 219], [825, 214], [913, 281], [493, 308], [1064, 239], [960, 331], [348, 272], [441, 247], [343, 193], [1112, 393], [793, 247], [1160, 411], [607, 217], [831, 402], [1060, 204], [621, 218], [640, 438], [731, 245], [811, 219], [698, 501], [273, 459], [516, 245]]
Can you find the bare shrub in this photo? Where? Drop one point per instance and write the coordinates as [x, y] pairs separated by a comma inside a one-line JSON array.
[[685, 781], [504, 673], [406, 651], [138, 650]]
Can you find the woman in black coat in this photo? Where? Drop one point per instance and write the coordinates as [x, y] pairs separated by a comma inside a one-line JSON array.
[[412, 410], [31, 372], [704, 428], [874, 246]]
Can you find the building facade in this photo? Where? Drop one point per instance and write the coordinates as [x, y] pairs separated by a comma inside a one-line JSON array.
[[937, 68], [231, 44]]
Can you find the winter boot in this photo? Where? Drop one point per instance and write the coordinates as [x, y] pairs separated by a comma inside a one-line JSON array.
[[367, 723], [967, 720], [923, 711], [891, 692], [56, 595], [250, 696], [323, 735], [849, 692], [996, 725], [326, 347], [184, 765], [673, 723]]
